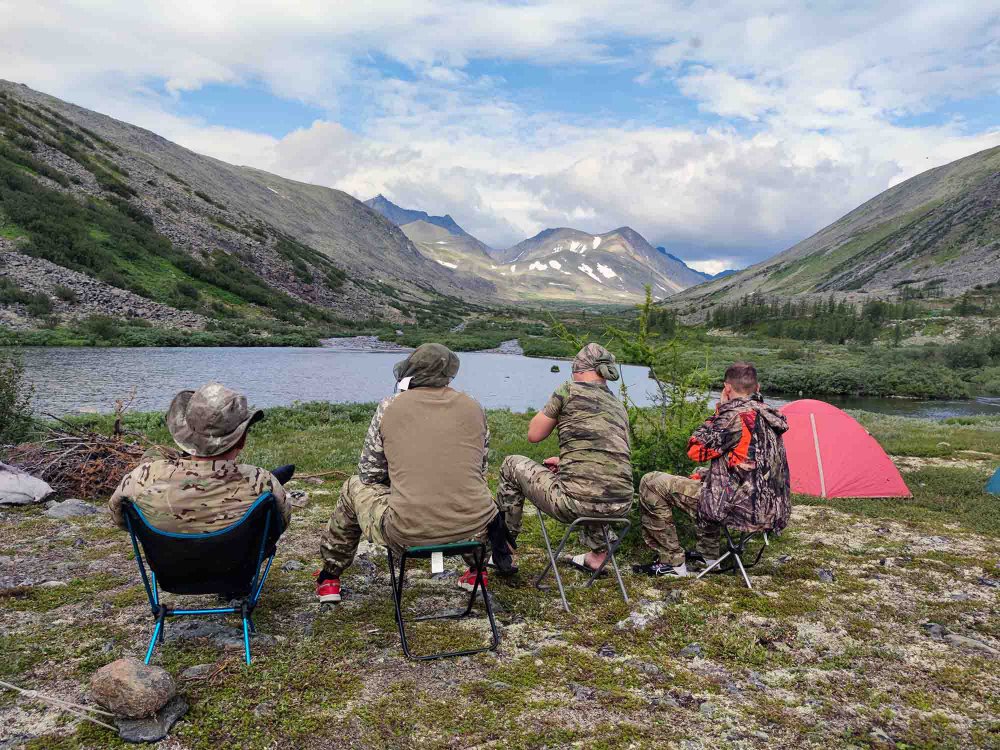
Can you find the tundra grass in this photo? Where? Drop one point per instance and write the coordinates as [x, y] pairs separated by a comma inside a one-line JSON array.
[[795, 663]]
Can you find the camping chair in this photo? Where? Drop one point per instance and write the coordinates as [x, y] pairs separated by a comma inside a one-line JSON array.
[[736, 550], [478, 550], [605, 525], [227, 562]]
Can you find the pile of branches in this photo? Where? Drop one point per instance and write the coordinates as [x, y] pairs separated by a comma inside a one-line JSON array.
[[77, 462]]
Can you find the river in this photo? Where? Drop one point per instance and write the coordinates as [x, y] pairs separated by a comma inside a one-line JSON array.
[[73, 380]]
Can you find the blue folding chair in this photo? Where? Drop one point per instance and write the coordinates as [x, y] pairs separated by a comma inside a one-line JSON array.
[[232, 562]]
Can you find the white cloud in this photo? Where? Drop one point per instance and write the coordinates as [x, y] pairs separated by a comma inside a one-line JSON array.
[[806, 98]]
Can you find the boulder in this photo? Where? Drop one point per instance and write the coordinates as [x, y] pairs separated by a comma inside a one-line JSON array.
[[18, 488], [132, 690], [69, 509]]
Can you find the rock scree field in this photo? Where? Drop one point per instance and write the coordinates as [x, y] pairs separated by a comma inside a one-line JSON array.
[[874, 624]]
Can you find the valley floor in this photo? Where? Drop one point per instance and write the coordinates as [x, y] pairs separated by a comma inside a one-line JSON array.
[[801, 663]]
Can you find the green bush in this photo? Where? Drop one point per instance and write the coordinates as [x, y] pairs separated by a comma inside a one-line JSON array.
[[66, 294], [15, 402]]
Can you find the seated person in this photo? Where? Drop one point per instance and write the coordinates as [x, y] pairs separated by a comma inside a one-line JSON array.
[[746, 486], [205, 489], [592, 476], [422, 475]]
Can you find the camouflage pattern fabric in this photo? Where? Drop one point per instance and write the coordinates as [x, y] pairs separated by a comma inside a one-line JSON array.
[[595, 464], [430, 365], [373, 467], [594, 357], [659, 494], [211, 420], [360, 512], [190, 497], [747, 486], [521, 478]]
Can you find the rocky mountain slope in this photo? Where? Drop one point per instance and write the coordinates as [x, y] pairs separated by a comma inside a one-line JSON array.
[[122, 210], [936, 233]]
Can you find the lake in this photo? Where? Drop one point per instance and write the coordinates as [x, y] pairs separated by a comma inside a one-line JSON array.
[[69, 380]]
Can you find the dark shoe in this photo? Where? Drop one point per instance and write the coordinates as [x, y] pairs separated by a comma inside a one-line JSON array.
[[656, 569], [500, 567]]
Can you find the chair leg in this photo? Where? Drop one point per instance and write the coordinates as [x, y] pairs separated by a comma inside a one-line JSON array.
[[612, 548], [397, 597], [714, 565], [157, 634], [743, 572], [552, 559]]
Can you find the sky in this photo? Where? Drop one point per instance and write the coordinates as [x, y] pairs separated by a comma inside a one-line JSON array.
[[725, 131]]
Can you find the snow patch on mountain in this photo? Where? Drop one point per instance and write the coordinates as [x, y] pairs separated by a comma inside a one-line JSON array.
[[590, 272], [606, 271], [446, 264], [537, 266], [597, 242], [555, 264]]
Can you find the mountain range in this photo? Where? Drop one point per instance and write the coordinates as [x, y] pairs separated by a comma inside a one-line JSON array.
[[556, 264], [100, 216]]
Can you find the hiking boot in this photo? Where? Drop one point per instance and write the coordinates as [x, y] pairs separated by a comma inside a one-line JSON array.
[[328, 591], [468, 580], [509, 570], [657, 569]]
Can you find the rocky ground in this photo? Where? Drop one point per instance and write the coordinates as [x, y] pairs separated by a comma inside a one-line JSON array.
[[872, 625]]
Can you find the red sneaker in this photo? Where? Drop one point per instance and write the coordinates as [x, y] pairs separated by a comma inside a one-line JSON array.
[[328, 591], [468, 580]]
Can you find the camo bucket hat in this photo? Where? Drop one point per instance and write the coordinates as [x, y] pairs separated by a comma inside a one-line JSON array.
[[429, 366], [210, 420], [595, 357]]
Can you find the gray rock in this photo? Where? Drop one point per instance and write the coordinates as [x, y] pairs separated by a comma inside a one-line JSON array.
[[131, 689], [963, 641], [292, 565], [784, 559], [691, 650], [640, 618], [645, 666], [708, 709], [197, 672], [70, 508], [825, 575], [582, 692], [607, 651], [763, 736], [961, 596], [935, 630], [664, 702], [18, 488], [154, 728], [498, 685], [991, 582]]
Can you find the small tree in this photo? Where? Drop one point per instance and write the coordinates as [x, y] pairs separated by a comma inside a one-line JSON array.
[[15, 402]]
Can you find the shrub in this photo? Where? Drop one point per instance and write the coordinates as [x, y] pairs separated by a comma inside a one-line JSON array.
[[15, 402], [39, 305], [66, 294], [101, 326]]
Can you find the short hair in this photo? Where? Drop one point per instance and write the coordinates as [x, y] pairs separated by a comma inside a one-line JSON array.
[[742, 376]]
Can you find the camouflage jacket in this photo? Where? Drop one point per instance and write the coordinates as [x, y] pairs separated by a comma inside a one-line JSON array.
[[747, 485], [373, 467], [185, 496], [595, 457]]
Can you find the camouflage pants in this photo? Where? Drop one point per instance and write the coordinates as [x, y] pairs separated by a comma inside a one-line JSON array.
[[659, 494], [359, 513], [521, 478]]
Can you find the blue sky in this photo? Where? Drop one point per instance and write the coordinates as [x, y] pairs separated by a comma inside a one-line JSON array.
[[725, 132]]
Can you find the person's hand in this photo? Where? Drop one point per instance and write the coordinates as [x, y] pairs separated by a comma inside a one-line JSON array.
[[727, 394], [552, 464]]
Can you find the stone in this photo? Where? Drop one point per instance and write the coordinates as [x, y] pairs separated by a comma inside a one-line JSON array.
[[708, 709], [825, 575], [664, 702], [991, 582], [691, 651], [19, 488], [934, 630], [607, 651], [312, 480], [762, 736], [292, 565], [963, 641], [70, 508], [648, 668], [153, 728], [784, 559], [640, 618], [130, 689], [582, 692], [197, 672]]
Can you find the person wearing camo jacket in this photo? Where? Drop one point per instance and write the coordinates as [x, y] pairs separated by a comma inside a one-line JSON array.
[[592, 476], [204, 489], [422, 474]]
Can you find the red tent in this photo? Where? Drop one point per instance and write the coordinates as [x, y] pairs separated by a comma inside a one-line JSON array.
[[831, 455]]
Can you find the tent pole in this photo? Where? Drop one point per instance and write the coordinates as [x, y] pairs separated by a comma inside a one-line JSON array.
[[819, 458]]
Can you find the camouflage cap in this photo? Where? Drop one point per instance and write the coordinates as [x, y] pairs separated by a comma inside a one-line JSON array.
[[430, 366], [210, 420], [594, 357]]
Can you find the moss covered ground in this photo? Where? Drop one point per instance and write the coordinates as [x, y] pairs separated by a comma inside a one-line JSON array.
[[851, 663]]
